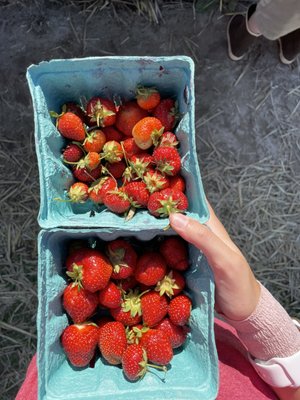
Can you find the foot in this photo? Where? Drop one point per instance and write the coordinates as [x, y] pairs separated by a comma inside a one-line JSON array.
[[289, 47]]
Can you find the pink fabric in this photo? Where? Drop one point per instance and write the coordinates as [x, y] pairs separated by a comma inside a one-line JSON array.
[[269, 331], [238, 380]]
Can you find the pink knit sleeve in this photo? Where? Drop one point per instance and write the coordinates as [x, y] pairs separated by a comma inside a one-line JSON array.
[[269, 331]]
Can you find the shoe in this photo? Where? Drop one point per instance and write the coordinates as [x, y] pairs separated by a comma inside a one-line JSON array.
[[239, 37], [289, 47]]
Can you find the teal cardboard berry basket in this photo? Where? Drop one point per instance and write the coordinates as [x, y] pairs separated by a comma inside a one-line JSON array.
[[58, 81], [193, 374]]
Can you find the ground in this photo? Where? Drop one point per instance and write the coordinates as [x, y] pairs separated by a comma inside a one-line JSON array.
[[247, 126]]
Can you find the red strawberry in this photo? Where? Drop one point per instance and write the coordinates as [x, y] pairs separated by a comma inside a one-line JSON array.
[[116, 169], [79, 303], [91, 160], [177, 334], [135, 332], [166, 112], [168, 139], [144, 131], [134, 362], [167, 201], [94, 141], [101, 112], [130, 147], [70, 126], [175, 251], [125, 317], [129, 114], [180, 309], [94, 271], [75, 109], [151, 268], [155, 180], [84, 175], [147, 97], [76, 255], [141, 163], [117, 201], [78, 192], [98, 189], [154, 308], [130, 311], [177, 182], [103, 320], [171, 285], [112, 152], [79, 343], [110, 296], [72, 153], [158, 346], [167, 160], [138, 193], [113, 342], [112, 133], [122, 257]]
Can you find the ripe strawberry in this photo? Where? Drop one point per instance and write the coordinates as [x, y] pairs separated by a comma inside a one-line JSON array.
[[72, 153], [78, 192], [101, 112], [177, 182], [177, 334], [158, 346], [135, 332], [155, 181], [112, 152], [180, 310], [167, 201], [122, 257], [117, 201], [98, 189], [167, 160], [129, 114], [94, 271], [138, 194], [141, 163], [175, 251], [91, 160], [171, 284], [168, 139], [130, 311], [79, 343], [112, 342], [154, 308], [147, 98], [112, 133], [75, 109], [125, 317], [151, 268], [94, 141], [70, 126], [130, 147], [134, 362], [166, 112], [76, 255], [110, 296], [103, 320], [116, 169], [144, 130], [79, 303], [84, 175]]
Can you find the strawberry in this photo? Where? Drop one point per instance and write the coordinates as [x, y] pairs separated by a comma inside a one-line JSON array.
[[155, 180], [112, 133], [144, 131], [167, 201], [171, 284], [177, 334], [117, 201], [129, 114], [135, 332], [70, 126], [98, 189], [180, 309], [154, 308], [175, 251], [166, 112], [84, 175], [158, 346], [138, 193], [140, 163], [167, 160], [79, 343], [101, 112], [112, 152], [151, 268], [130, 312], [147, 98], [110, 296], [76, 255], [72, 153], [134, 362], [79, 303], [94, 141], [78, 192], [122, 257], [168, 139], [125, 317], [91, 160], [127, 284], [94, 271], [103, 320], [75, 109], [177, 182], [116, 169], [112, 342], [130, 148]]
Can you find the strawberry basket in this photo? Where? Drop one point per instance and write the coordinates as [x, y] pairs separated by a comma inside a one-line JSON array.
[[58, 81], [193, 372]]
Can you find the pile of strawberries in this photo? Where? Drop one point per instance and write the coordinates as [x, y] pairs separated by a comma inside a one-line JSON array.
[[124, 156], [127, 303]]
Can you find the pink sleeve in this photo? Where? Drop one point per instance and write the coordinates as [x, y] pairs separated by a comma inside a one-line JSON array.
[[269, 331]]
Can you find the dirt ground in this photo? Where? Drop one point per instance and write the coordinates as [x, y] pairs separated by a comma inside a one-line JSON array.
[[247, 124]]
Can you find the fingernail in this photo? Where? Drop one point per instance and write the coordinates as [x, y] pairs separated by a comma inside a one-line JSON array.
[[178, 220]]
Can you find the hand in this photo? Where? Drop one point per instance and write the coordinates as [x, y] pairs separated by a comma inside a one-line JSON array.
[[237, 290]]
